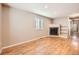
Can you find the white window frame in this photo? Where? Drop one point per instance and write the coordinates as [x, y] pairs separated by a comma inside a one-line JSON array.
[[39, 23]]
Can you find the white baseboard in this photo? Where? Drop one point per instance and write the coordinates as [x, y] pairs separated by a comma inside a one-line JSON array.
[[27, 42], [22, 42]]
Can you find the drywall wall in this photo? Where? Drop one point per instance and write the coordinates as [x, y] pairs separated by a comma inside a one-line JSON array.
[[19, 26], [5, 25], [0, 26], [63, 21]]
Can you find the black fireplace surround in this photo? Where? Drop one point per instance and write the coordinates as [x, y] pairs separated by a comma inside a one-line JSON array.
[[53, 31]]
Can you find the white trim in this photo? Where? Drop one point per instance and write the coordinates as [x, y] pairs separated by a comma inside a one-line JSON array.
[[22, 42], [27, 42]]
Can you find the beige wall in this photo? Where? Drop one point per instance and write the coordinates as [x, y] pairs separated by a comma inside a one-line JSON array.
[[63, 21], [19, 26], [0, 26], [5, 25]]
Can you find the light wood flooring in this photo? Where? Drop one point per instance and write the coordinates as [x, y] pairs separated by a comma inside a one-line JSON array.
[[44, 46]]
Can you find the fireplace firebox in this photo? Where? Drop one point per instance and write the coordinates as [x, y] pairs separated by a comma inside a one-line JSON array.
[[53, 31]]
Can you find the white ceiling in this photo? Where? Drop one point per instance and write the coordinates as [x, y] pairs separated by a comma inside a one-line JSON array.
[[52, 10]]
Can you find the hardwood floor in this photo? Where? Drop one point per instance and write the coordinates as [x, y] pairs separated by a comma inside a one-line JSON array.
[[44, 46]]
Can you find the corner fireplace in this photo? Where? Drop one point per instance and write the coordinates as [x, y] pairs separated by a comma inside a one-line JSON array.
[[54, 30]]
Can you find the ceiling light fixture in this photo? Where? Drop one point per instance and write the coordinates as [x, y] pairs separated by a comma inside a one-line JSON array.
[[45, 6]]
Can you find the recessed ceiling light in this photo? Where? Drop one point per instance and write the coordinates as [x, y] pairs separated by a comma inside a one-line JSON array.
[[45, 6]]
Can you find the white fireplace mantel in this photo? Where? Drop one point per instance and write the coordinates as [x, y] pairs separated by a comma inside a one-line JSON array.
[[54, 25]]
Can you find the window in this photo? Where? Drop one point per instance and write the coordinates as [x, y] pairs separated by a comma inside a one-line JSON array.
[[39, 23]]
